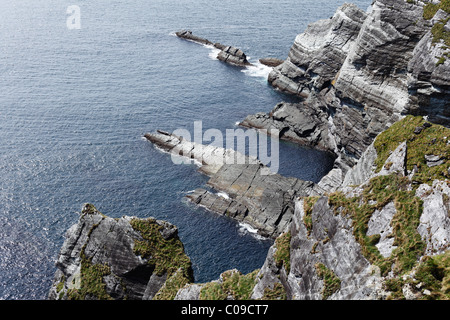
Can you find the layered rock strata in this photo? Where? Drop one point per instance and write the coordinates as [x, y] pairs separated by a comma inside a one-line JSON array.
[[375, 236], [125, 258], [317, 54], [358, 73], [246, 190], [228, 54]]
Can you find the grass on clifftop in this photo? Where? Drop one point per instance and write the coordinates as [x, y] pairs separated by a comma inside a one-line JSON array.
[[434, 274], [167, 255], [430, 9], [282, 255], [331, 283], [438, 30], [432, 140], [233, 284], [377, 194], [431, 280]]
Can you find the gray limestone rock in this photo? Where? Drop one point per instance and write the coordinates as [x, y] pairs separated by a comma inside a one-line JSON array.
[[434, 224], [103, 247], [330, 243], [297, 122], [429, 77], [227, 54], [317, 54], [247, 191], [233, 56], [380, 223], [271, 62]]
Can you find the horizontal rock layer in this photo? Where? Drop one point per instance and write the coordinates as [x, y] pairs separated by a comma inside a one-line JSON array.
[[246, 189], [357, 74], [228, 54]]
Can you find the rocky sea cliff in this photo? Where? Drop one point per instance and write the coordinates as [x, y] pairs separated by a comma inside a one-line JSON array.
[[375, 92]]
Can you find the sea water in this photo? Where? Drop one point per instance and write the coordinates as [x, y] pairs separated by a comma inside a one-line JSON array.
[[76, 102]]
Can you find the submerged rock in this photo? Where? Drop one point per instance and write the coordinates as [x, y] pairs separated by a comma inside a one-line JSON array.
[[228, 54], [271, 62]]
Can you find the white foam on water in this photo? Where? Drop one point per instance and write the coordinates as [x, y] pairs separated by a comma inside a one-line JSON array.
[[257, 69], [223, 195], [246, 228], [213, 51]]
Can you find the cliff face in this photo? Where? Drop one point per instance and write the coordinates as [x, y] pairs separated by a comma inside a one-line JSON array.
[[317, 54], [374, 239], [360, 72], [126, 258], [376, 227], [383, 234]]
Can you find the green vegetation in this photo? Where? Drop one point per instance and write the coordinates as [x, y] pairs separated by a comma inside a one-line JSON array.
[[166, 255], [395, 287], [438, 30], [91, 275], [378, 193], [308, 204], [431, 280], [234, 284], [434, 274], [432, 140], [170, 288], [282, 255], [92, 284], [430, 9], [331, 283], [441, 60], [212, 291], [439, 33], [276, 293]]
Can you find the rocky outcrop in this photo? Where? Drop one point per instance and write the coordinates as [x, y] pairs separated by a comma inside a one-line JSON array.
[[358, 73], [372, 239], [233, 56], [317, 54], [297, 122], [125, 258], [187, 34], [428, 73], [271, 62], [228, 54], [384, 234], [246, 190]]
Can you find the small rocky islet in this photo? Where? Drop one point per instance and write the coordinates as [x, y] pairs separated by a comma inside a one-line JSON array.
[[374, 89]]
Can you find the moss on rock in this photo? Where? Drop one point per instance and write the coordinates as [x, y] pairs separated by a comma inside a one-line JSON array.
[[423, 139], [378, 193], [233, 283], [282, 255], [167, 255]]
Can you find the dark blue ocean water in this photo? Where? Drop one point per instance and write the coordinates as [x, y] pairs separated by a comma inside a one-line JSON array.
[[74, 105]]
